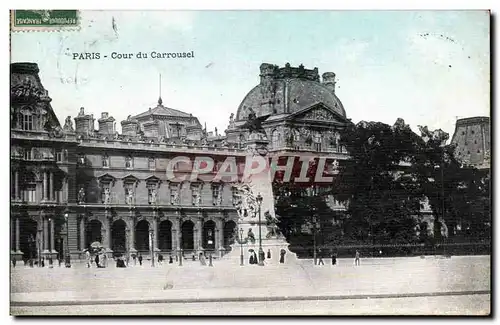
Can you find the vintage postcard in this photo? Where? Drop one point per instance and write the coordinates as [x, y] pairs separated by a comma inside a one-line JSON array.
[[250, 162]]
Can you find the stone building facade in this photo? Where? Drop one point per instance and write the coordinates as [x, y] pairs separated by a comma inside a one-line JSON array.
[[76, 185], [472, 138]]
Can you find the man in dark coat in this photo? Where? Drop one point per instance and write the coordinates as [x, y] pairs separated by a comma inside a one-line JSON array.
[[140, 259], [334, 259], [282, 256]]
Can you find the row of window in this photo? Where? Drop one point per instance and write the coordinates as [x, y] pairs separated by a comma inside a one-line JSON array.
[[30, 154], [129, 162], [129, 190]]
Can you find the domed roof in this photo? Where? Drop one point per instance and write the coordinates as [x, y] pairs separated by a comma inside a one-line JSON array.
[[288, 90]]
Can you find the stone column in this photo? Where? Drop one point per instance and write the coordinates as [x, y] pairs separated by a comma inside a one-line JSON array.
[[219, 235], [16, 185], [17, 236], [12, 235], [82, 232], [51, 186], [132, 236], [52, 246], [45, 235], [173, 235], [107, 233], [155, 232], [44, 194], [65, 190], [198, 235]]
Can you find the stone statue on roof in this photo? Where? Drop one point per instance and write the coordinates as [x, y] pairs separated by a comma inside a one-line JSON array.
[[254, 125]]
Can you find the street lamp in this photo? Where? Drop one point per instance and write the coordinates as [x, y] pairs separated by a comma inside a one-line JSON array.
[[261, 251], [313, 209], [241, 248], [68, 257]]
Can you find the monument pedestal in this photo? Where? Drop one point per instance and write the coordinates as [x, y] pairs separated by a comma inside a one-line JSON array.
[[257, 211]]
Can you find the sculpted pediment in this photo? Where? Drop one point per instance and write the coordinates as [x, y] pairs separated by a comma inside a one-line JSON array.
[[317, 112]]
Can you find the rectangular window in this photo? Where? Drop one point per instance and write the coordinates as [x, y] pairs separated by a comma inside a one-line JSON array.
[[105, 161], [27, 154], [59, 156], [150, 195], [152, 164], [236, 196], [27, 122], [106, 194], [128, 163], [31, 193], [217, 195], [317, 146]]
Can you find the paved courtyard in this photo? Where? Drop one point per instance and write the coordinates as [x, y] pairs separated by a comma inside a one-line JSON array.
[[381, 278]]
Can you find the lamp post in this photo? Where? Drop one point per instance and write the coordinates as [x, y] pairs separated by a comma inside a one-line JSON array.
[[241, 248], [68, 257], [313, 209], [259, 199]]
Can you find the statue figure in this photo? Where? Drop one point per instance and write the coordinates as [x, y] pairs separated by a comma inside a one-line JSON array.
[[231, 121], [196, 198], [251, 236], [82, 112], [68, 125], [254, 125], [272, 227], [153, 196], [81, 196], [224, 144], [107, 198], [130, 196], [246, 204]]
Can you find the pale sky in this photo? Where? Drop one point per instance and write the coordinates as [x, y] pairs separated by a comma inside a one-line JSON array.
[[427, 67]]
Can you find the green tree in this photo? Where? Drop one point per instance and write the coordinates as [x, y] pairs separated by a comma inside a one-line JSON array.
[[377, 183], [458, 194]]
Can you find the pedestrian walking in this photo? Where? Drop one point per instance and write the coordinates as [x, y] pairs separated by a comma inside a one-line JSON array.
[[282, 256], [13, 262], [140, 259], [334, 259], [202, 259], [262, 255], [97, 260], [87, 257], [356, 258], [269, 253], [320, 257], [171, 260]]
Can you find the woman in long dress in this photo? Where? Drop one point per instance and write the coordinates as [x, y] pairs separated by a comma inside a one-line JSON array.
[[202, 259]]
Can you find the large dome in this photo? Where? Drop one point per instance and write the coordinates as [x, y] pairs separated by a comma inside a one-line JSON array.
[[288, 90]]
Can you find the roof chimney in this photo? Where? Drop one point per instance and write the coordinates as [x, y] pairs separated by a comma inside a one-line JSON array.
[[329, 80]]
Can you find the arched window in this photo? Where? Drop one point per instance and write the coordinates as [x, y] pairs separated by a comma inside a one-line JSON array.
[[275, 139]]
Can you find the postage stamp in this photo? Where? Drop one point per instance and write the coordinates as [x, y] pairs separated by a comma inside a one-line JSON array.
[[44, 20], [169, 162]]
